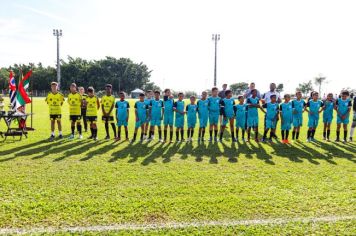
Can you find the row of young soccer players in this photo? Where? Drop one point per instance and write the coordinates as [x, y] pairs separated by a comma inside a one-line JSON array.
[[150, 111]]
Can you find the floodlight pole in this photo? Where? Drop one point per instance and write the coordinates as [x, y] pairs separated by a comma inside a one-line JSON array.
[[216, 38], [58, 33]]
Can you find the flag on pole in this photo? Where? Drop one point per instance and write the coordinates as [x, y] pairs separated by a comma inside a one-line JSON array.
[[22, 97], [12, 90]]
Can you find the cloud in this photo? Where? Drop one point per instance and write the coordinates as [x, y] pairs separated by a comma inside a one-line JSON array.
[[42, 13]]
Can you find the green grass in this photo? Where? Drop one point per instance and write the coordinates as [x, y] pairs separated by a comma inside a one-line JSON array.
[[82, 182]]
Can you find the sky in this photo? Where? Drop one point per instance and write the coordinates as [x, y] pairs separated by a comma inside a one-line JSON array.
[[281, 41]]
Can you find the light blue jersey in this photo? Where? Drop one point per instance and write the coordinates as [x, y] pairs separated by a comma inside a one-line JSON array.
[[168, 110], [203, 112], [240, 114], [179, 119], [122, 112], [214, 110], [343, 107], [286, 110], [298, 108], [252, 112], [313, 116], [141, 109], [271, 115], [192, 115], [156, 112], [328, 111]]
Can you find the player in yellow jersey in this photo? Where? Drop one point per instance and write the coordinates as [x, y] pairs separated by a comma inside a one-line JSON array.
[[107, 107], [75, 103], [92, 107], [84, 107], [55, 101]]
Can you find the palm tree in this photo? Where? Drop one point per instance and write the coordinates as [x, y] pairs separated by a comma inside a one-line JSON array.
[[319, 81]]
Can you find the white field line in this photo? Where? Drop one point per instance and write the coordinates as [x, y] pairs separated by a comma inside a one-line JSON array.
[[174, 225]]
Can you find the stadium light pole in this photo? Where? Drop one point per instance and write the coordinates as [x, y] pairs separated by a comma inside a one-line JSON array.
[[216, 38], [58, 33]]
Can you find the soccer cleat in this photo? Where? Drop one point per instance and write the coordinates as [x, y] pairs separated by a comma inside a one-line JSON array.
[[117, 139], [178, 141], [133, 140], [256, 140], [243, 140], [60, 136], [337, 140], [107, 137], [90, 137], [263, 140], [210, 140], [80, 136], [328, 140], [350, 139], [198, 140], [234, 140], [51, 139], [345, 141], [312, 139], [216, 139], [71, 136], [161, 141], [286, 141], [324, 138], [308, 140]]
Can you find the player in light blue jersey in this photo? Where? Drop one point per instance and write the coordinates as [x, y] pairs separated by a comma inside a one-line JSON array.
[[122, 115], [203, 114], [286, 114], [343, 108], [191, 110], [178, 108], [328, 113], [168, 114], [156, 115], [314, 108], [149, 97], [214, 113], [298, 106], [240, 110], [272, 111], [141, 113], [227, 110], [253, 104]]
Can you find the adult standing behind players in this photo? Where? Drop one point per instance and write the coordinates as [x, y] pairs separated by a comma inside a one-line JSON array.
[[84, 107], [250, 88], [272, 91], [221, 94]]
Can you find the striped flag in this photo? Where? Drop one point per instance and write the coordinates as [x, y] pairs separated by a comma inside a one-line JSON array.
[[12, 90], [22, 97]]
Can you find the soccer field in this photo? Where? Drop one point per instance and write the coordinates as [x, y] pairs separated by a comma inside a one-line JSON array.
[[211, 188]]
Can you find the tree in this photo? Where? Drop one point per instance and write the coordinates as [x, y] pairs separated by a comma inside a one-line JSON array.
[[319, 81], [305, 88], [239, 88], [279, 88], [188, 94]]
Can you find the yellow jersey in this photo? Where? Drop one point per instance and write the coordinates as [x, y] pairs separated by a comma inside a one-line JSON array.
[[108, 102], [92, 107], [55, 102], [75, 102]]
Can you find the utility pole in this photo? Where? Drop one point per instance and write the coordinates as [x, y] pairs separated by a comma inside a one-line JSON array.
[[216, 38], [58, 33]]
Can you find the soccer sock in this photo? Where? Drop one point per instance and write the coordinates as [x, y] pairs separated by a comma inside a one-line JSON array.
[[243, 133], [221, 134], [313, 133], [337, 134], [182, 134], [142, 135], [118, 132], [107, 129], [352, 132], [188, 133], [328, 133], [215, 133], [271, 135], [127, 133], [232, 135], [79, 128], [256, 134], [165, 134], [308, 134], [85, 124], [211, 133], [287, 134], [60, 132], [134, 137], [282, 132], [237, 133], [95, 132], [265, 133], [92, 131], [52, 133], [113, 128], [293, 134], [297, 135], [191, 133], [345, 134], [177, 135], [171, 135], [73, 129], [324, 134], [248, 134], [160, 134], [203, 133]]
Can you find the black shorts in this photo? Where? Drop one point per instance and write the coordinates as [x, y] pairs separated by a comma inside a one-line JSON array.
[[55, 117], [75, 118], [91, 118], [109, 119]]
